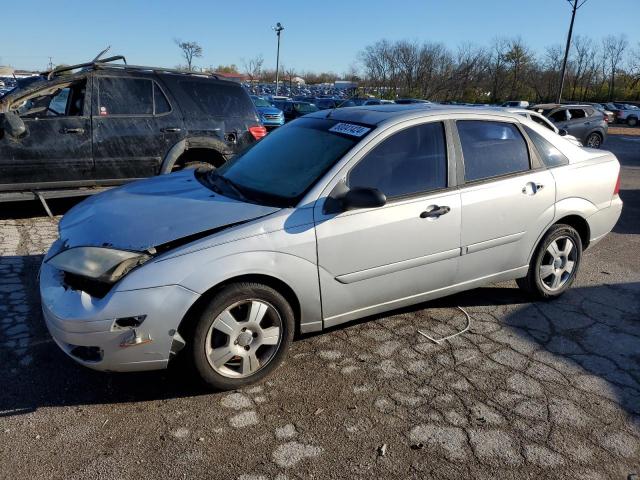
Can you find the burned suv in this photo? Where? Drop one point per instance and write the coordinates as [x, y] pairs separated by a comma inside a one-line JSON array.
[[103, 123]]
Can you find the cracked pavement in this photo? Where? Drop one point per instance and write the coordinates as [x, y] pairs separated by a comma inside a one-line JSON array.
[[532, 390]]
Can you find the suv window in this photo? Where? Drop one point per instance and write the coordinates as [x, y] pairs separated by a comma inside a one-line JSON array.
[[577, 113], [219, 99], [491, 149], [559, 116], [551, 156], [161, 104], [125, 96], [65, 101], [411, 161]]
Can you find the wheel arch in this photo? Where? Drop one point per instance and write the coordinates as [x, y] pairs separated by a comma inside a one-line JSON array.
[[193, 144]]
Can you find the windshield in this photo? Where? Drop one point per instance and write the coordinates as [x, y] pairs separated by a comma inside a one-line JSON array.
[[279, 169], [260, 102], [305, 107]]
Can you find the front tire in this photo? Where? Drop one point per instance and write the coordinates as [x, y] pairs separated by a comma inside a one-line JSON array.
[[242, 335], [632, 121], [555, 263], [594, 140]]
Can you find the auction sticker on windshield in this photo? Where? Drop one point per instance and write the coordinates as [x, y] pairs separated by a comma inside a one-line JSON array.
[[349, 129]]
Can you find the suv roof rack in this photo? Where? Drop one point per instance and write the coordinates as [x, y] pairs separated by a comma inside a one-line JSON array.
[[106, 63]]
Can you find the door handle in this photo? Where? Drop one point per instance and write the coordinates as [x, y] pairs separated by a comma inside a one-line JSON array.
[[170, 129], [73, 130], [435, 211], [532, 188]]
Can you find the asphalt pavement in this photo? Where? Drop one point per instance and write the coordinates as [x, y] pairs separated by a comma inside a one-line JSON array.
[[532, 390]]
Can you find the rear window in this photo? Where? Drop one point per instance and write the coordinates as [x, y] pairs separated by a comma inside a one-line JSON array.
[[551, 156], [219, 100]]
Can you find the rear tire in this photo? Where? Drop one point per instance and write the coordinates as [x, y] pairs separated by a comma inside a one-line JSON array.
[[241, 336], [594, 140], [555, 263], [632, 121]]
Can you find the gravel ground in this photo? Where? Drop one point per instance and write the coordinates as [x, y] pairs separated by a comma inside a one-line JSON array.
[[533, 390]]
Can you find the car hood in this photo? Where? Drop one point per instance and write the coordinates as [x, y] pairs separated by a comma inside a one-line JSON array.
[[148, 213], [268, 110]]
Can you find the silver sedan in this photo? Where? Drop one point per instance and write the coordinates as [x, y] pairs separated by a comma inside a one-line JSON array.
[[339, 215]]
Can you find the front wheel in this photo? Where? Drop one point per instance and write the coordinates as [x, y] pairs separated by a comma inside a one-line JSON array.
[[555, 263], [632, 121], [242, 335]]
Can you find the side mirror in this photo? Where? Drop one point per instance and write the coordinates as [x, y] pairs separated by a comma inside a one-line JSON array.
[[13, 125], [562, 132], [363, 198]]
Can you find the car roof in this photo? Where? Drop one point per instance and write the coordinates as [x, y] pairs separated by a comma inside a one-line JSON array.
[[377, 114], [548, 106]]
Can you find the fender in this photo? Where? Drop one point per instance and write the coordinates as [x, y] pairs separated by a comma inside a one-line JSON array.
[[192, 142]]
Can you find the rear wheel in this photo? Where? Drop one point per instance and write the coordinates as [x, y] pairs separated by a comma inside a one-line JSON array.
[[594, 140], [242, 335], [632, 121], [555, 263]]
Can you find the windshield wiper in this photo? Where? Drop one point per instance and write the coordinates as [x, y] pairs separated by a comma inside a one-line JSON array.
[[230, 184]]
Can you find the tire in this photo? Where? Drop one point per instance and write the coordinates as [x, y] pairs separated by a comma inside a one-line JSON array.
[[550, 277], [229, 347], [632, 121], [594, 140], [197, 166]]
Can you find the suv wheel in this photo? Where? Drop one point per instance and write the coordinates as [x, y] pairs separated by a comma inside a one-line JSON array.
[[594, 140], [632, 121], [242, 335], [555, 263]]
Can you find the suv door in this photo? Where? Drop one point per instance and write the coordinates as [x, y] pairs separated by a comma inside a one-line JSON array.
[[134, 125], [371, 259], [55, 151], [507, 200]]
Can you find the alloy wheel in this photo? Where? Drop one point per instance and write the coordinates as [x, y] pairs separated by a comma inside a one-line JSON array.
[[593, 141], [558, 263], [244, 338]]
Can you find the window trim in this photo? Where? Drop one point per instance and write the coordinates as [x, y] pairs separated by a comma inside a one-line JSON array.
[[448, 161], [535, 163], [131, 115]]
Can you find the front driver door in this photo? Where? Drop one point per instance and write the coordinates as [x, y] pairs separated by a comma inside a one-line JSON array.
[[55, 151], [376, 259]]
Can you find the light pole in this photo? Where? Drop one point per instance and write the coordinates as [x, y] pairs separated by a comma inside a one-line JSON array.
[[278, 28], [575, 5]]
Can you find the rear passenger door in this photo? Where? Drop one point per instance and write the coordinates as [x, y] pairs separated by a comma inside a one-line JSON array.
[[134, 125], [578, 125], [508, 198]]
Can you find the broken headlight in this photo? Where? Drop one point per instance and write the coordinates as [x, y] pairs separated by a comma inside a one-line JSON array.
[[104, 265]]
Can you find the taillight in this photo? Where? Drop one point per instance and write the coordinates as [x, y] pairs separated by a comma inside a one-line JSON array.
[[258, 131], [616, 189]]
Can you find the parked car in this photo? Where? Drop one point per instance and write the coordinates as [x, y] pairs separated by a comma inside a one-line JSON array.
[[625, 113], [326, 103], [583, 122], [106, 124], [516, 104], [270, 116], [378, 101], [542, 120], [293, 109], [408, 101], [324, 221]]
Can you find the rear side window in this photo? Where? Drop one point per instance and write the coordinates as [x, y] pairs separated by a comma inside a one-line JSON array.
[[218, 99], [491, 149], [551, 156], [576, 113], [125, 96], [160, 101], [559, 116], [411, 161]]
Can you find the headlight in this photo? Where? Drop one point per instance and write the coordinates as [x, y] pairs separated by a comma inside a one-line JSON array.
[[101, 264]]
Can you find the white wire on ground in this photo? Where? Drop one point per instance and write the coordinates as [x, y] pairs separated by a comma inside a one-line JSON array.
[[439, 341]]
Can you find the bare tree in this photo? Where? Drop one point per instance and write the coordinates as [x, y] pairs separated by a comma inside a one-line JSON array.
[[190, 50], [253, 67], [614, 47]]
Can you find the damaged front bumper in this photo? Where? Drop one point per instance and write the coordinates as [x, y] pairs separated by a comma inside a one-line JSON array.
[[124, 331]]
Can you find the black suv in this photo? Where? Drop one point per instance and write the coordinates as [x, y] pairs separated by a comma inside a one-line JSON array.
[[102, 123]]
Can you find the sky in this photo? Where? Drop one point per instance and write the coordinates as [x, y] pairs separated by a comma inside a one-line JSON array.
[[319, 35]]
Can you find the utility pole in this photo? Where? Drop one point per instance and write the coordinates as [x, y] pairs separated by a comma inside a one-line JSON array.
[[278, 28], [575, 5]]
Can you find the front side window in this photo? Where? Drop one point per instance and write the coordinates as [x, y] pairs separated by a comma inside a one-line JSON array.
[[411, 161], [491, 149], [64, 101], [559, 116], [280, 168], [125, 96], [551, 156]]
